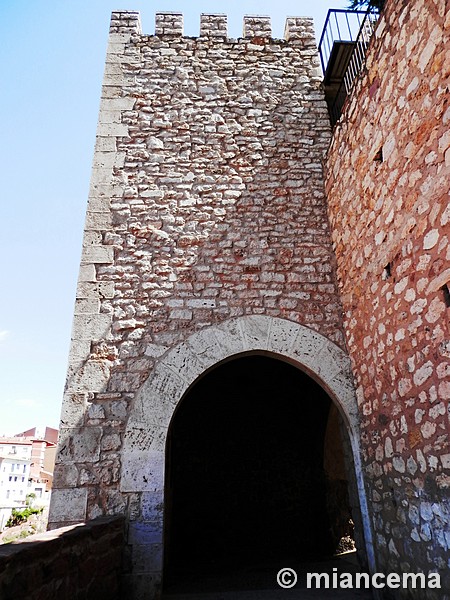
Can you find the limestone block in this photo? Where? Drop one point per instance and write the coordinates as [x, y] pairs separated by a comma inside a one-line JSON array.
[[87, 306], [167, 384], [152, 505], [73, 409], [101, 174], [94, 290], [87, 273], [230, 337], [109, 116], [115, 48], [112, 68], [206, 346], [111, 81], [121, 104], [140, 433], [142, 471], [255, 332], [118, 39], [98, 254], [92, 376], [112, 129], [201, 303], [330, 361], [147, 557], [78, 353], [68, 505], [155, 350], [106, 160], [80, 444], [282, 336], [145, 532], [65, 476], [183, 360], [105, 144], [307, 346], [91, 327], [342, 389]]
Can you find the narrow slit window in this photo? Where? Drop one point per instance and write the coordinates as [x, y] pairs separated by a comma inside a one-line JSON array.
[[387, 271], [446, 292], [379, 155]]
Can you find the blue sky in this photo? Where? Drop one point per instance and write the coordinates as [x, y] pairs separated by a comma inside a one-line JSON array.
[[51, 60]]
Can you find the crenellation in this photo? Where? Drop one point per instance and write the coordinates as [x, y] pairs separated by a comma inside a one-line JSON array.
[[168, 24], [300, 29], [213, 25], [125, 22], [257, 26]]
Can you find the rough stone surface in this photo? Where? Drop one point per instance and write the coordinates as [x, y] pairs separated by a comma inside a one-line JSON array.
[[390, 228], [206, 208], [78, 561], [208, 235]]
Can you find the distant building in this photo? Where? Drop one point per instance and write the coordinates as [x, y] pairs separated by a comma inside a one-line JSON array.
[[26, 466], [43, 455], [15, 466], [49, 434]]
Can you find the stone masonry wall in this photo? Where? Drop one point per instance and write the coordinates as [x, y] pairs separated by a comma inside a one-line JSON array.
[[206, 203], [388, 173], [81, 562]]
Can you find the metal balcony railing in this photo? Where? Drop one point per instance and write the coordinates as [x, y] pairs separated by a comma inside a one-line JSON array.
[[342, 48]]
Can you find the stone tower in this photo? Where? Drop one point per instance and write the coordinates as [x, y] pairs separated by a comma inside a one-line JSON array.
[[208, 285], [206, 238]]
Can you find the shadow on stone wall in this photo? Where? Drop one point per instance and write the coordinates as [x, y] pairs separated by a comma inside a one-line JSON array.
[[79, 561]]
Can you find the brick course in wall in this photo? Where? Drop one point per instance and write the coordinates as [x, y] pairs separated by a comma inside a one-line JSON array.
[[388, 172]]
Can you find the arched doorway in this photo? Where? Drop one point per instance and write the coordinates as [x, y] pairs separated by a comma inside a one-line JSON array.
[[254, 472], [143, 455]]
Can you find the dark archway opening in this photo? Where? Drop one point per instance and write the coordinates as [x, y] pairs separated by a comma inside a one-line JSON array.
[[254, 471]]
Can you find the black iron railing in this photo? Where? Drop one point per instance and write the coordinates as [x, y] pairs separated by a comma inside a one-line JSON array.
[[342, 48]]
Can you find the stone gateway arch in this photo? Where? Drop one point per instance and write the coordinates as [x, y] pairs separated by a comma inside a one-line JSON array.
[[144, 449]]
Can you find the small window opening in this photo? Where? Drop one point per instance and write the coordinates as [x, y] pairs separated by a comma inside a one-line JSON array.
[[446, 291], [387, 271]]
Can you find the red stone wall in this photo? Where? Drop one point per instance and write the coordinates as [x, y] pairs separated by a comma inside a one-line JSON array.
[[81, 561], [387, 183]]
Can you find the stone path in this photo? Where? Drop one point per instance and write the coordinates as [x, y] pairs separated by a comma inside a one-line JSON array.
[[260, 584]]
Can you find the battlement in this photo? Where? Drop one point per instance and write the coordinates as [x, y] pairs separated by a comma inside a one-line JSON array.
[[215, 26]]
